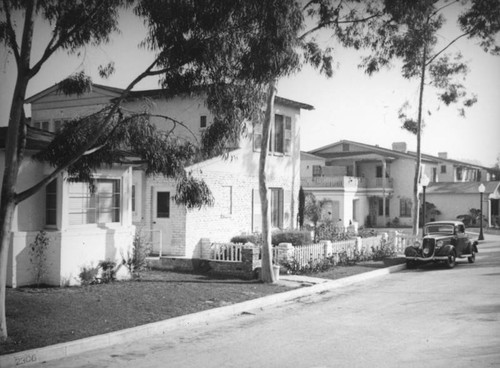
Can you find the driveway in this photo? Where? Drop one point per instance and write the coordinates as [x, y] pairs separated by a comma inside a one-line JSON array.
[[431, 317]]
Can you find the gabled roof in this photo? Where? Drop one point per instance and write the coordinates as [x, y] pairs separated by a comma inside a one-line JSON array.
[[310, 156], [451, 161], [363, 149], [116, 92], [462, 187]]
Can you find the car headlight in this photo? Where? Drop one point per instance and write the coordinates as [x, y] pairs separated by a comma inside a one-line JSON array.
[[439, 244], [416, 244], [426, 251]]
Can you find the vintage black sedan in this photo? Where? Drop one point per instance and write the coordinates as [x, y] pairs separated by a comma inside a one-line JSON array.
[[443, 241]]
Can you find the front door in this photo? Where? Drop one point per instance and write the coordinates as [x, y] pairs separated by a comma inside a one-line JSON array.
[[161, 220]]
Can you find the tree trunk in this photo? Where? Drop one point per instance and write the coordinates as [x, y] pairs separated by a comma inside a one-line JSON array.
[[416, 179], [13, 151], [267, 274]]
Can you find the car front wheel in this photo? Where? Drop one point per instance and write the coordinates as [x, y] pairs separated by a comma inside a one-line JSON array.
[[451, 261], [472, 258]]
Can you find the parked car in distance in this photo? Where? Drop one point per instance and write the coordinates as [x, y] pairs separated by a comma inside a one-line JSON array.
[[443, 241]]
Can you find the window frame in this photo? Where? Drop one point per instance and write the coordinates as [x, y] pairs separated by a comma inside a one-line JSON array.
[[279, 144], [51, 192], [405, 205], [94, 202], [387, 207]]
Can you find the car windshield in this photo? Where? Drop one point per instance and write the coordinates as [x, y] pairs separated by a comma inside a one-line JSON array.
[[442, 228]]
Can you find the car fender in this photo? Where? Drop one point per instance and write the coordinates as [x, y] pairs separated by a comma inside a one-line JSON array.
[[474, 246], [447, 249]]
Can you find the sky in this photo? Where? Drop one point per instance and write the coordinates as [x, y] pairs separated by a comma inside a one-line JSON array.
[[348, 106]]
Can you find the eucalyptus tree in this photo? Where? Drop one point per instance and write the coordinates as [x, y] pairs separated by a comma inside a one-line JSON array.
[[409, 31], [232, 50]]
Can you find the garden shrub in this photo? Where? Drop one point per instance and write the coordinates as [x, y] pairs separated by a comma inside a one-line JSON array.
[[247, 238], [88, 275], [383, 251], [296, 237], [135, 259], [108, 271]]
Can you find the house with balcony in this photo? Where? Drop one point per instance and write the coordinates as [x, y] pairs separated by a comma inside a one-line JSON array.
[[371, 185], [130, 199]]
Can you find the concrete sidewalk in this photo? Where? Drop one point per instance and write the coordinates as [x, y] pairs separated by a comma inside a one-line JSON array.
[[303, 286]]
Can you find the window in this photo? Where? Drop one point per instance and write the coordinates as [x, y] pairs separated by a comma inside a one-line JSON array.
[[203, 121], [380, 170], [405, 207], [381, 207], [459, 173], [316, 171], [57, 125], [102, 206], [37, 125], [163, 204], [276, 206], [443, 169], [278, 135], [280, 140], [51, 203], [45, 125]]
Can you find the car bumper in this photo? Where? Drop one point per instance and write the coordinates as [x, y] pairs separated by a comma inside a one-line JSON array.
[[427, 259]]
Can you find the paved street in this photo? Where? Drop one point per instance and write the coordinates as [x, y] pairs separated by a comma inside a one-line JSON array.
[[430, 317]]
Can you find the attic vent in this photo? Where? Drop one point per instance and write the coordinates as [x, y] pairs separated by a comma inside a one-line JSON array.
[[345, 147]]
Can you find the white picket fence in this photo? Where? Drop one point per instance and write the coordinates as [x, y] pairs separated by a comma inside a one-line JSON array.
[[228, 252]]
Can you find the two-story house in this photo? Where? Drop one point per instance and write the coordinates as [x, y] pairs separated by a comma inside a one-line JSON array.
[[372, 185], [128, 198]]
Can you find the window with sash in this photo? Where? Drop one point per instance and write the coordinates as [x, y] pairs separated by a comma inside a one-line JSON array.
[[280, 135], [101, 206], [405, 207]]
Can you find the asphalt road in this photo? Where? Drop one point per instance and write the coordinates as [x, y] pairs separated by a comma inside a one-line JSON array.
[[428, 317]]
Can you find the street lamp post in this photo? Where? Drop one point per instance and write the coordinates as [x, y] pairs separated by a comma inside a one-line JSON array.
[[481, 191], [424, 181]]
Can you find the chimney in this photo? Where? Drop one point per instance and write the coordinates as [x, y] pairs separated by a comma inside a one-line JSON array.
[[443, 155], [399, 146]]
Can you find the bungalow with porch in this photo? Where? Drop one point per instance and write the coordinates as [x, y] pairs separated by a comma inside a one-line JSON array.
[[373, 186], [147, 202]]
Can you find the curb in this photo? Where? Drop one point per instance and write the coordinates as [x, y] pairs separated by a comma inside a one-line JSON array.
[[62, 350]]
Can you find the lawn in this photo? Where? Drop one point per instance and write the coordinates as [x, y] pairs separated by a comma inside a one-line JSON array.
[[38, 317]]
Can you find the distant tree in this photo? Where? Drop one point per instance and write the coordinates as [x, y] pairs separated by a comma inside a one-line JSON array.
[[408, 31], [302, 203], [495, 170]]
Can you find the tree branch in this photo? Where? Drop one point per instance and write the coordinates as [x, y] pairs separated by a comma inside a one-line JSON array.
[[114, 108], [52, 46], [446, 47], [11, 34]]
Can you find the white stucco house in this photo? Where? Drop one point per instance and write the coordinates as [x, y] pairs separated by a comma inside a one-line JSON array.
[[372, 185], [131, 200]]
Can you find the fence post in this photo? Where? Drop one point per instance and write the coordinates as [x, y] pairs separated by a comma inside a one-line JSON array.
[[327, 247], [285, 252], [359, 243]]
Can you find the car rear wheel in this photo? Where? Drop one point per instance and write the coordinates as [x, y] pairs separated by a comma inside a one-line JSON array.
[[472, 258], [452, 260]]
